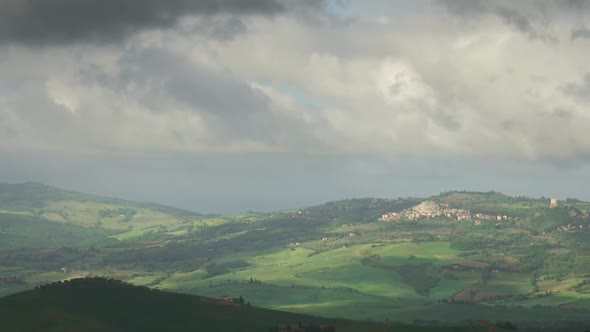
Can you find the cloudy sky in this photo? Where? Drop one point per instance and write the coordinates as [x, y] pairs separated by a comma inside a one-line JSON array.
[[232, 105]]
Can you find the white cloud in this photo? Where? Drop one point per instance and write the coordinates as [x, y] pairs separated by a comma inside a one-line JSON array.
[[426, 84]]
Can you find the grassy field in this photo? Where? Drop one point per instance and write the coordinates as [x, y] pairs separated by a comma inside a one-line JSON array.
[[340, 268], [508, 283], [437, 253], [101, 305], [335, 260], [112, 309]]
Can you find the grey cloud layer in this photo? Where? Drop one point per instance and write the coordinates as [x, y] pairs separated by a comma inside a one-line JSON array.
[[65, 21], [230, 108], [579, 90], [534, 18], [150, 98], [399, 85]]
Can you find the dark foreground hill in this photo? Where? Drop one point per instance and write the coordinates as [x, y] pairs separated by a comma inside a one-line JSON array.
[[105, 305]]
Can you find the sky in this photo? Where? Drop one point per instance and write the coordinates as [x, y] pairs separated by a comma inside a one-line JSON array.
[[228, 106]]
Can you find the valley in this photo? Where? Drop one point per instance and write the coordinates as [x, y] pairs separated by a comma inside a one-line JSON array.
[[453, 258]]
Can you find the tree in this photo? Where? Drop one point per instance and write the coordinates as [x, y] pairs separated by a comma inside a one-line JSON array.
[[241, 299]]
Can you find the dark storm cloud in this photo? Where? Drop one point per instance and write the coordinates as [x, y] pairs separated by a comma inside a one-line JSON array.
[[66, 21]]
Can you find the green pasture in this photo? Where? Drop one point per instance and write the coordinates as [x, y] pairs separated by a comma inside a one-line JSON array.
[[342, 269], [437, 253], [508, 283], [447, 287], [185, 280], [329, 302], [87, 213], [30, 231], [339, 268], [134, 233]]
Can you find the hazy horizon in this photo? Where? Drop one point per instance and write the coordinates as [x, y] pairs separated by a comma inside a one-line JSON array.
[[230, 106]]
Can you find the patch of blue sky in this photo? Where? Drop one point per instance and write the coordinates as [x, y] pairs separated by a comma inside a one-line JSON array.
[[301, 96], [340, 8]]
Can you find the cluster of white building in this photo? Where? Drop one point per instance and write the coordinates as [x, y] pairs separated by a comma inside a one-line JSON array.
[[430, 209]]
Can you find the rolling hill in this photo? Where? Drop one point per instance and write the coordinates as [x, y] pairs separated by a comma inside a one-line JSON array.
[[97, 304], [446, 259]]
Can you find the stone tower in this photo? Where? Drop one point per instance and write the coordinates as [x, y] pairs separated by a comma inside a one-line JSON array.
[[553, 203]]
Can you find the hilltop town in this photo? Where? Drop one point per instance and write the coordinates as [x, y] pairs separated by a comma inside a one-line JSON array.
[[430, 209]]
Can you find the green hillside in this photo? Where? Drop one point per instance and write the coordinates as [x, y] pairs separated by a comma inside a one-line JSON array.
[[108, 305], [73, 207], [447, 259]]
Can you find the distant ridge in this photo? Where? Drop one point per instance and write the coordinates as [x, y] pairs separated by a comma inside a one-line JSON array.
[[34, 195]]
